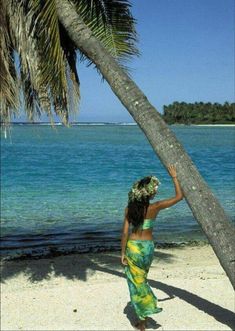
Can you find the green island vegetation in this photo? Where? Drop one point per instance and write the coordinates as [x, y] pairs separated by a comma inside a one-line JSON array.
[[199, 113]]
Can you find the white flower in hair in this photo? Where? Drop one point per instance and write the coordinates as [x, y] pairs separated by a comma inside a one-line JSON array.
[[138, 194]]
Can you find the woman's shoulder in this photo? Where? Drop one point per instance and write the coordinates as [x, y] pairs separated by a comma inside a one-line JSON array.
[[154, 205], [151, 207], [151, 212]]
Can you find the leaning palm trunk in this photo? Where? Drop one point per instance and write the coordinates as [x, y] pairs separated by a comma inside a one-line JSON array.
[[204, 205]]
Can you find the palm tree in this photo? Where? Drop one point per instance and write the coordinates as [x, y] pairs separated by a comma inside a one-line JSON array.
[[204, 205]]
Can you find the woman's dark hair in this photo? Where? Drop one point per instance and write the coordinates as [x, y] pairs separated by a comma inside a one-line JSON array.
[[137, 208]]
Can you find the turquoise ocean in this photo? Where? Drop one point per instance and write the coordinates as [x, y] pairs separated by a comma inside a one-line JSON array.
[[64, 189]]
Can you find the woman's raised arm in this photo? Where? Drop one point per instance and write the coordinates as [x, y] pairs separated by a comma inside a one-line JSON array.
[[178, 192]]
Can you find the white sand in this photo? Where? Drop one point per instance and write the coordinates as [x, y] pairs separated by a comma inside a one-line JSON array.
[[191, 286], [193, 124], [213, 124]]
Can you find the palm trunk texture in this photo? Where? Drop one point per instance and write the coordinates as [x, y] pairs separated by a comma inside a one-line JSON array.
[[205, 207]]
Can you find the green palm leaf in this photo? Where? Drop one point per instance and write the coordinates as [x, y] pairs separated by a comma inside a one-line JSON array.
[[46, 73], [9, 96], [112, 23]]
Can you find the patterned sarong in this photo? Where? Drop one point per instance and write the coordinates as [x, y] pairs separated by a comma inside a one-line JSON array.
[[139, 255]]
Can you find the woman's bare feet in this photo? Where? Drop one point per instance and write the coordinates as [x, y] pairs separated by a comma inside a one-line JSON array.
[[140, 325]]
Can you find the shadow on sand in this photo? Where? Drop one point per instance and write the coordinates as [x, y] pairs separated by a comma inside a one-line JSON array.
[[83, 266]]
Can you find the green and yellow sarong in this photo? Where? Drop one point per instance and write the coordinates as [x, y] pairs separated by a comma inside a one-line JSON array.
[[139, 255]]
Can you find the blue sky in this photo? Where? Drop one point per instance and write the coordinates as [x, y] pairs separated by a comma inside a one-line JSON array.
[[187, 54]]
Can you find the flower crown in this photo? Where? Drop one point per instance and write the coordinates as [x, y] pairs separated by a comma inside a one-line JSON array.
[[147, 190]]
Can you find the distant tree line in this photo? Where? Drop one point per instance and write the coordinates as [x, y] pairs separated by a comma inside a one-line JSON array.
[[199, 113]]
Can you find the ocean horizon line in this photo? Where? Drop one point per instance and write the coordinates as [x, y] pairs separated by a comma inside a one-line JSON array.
[[73, 123], [112, 123]]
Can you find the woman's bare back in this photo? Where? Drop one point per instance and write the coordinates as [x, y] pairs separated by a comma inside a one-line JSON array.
[[146, 234]]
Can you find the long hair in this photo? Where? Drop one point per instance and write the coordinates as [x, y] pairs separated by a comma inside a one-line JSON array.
[[137, 208]]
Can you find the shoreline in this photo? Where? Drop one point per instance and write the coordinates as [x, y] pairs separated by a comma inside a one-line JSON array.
[[210, 124], [54, 252], [90, 292]]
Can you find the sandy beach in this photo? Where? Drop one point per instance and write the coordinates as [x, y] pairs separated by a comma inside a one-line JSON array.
[[229, 125], [89, 292]]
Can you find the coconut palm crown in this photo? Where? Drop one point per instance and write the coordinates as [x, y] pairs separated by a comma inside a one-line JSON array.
[[38, 71]]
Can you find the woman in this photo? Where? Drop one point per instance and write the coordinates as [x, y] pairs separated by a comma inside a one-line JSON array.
[[137, 250]]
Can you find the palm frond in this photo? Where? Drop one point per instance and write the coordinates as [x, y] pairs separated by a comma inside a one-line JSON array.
[[58, 60], [9, 89], [112, 23], [47, 76]]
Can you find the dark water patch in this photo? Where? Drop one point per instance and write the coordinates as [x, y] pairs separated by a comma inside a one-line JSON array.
[[81, 247], [59, 241], [49, 243]]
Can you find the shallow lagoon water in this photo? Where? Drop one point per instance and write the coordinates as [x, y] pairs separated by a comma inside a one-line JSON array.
[[65, 189]]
